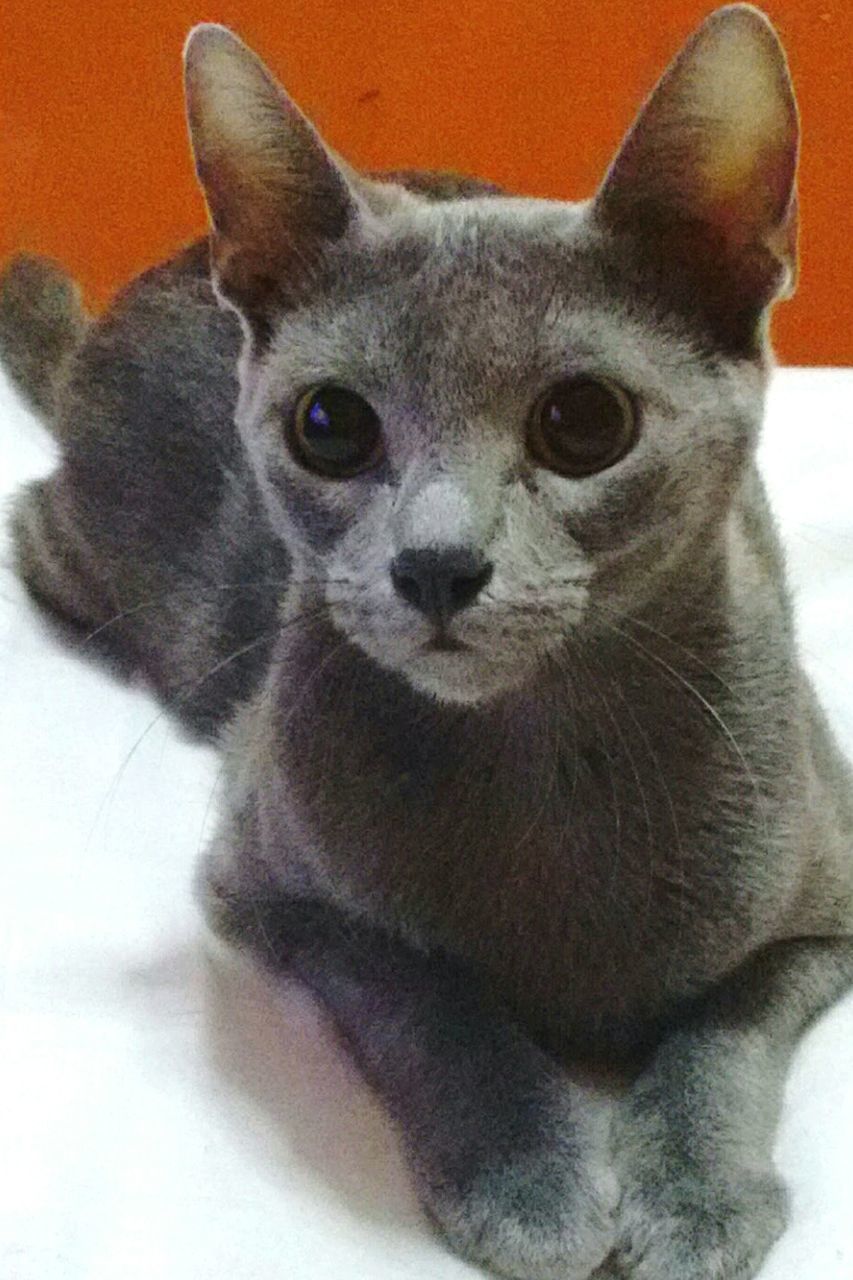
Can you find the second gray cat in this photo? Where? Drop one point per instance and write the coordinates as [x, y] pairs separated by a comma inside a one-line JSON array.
[[484, 597]]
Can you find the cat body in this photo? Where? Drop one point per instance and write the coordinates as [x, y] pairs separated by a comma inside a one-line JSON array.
[[522, 768], [148, 544]]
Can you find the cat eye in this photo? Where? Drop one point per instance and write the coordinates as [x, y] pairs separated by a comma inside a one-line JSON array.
[[335, 432], [582, 425]]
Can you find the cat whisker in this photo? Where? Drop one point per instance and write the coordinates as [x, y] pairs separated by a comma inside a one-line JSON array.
[[703, 702], [668, 639], [614, 790], [655, 874], [305, 687], [598, 690], [217, 780], [152, 602], [177, 700], [198, 588]]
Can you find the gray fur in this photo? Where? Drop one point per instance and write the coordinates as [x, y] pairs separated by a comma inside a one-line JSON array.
[[147, 545], [615, 829], [42, 324]]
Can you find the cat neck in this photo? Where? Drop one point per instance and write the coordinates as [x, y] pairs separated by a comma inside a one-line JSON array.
[[319, 674]]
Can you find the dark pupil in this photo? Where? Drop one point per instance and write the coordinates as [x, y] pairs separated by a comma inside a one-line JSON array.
[[584, 423], [339, 428]]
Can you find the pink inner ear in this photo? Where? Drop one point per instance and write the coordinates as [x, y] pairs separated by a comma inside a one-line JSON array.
[[276, 195], [703, 186], [701, 175], [756, 199]]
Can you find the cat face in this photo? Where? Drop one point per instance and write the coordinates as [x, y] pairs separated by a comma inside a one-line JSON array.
[[488, 428], [463, 331]]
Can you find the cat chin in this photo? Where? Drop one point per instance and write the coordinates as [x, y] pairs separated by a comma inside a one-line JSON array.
[[471, 676], [461, 680]]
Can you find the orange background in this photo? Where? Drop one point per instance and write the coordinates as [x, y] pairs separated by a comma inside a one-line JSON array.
[[95, 170]]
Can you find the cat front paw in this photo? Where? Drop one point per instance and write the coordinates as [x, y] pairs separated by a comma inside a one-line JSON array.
[[537, 1217], [700, 1232]]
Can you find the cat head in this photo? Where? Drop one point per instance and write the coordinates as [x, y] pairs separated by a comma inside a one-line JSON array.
[[487, 426]]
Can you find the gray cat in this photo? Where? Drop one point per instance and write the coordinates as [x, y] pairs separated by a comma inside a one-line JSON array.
[[525, 779]]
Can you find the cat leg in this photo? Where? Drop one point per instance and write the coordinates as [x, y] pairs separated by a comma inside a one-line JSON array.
[[510, 1158], [693, 1139]]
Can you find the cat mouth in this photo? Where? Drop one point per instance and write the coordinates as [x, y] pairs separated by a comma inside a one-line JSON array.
[[441, 642]]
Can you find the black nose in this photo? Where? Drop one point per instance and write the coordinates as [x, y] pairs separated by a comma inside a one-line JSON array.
[[440, 581]]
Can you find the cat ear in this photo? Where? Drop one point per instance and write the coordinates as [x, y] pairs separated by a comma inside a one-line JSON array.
[[704, 183], [275, 194]]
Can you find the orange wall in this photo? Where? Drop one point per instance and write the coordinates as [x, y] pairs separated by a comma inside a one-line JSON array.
[[94, 167]]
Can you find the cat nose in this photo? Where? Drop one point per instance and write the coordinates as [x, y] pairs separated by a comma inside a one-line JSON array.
[[440, 581]]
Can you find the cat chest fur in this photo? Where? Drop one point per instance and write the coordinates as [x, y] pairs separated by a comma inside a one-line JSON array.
[[594, 866]]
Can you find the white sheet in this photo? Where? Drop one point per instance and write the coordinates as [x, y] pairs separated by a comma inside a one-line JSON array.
[[164, 1118]]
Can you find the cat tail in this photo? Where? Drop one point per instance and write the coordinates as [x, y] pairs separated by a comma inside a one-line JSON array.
[[42, 324]]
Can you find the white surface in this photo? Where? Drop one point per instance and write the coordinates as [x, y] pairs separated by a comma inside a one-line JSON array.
[[162, 1120]]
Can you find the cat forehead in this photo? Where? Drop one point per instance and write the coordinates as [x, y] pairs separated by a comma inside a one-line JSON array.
[[489, 289], [495, 267], [499, 239], [504, 216]]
